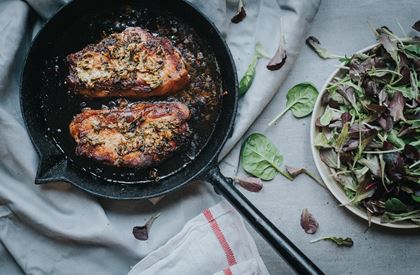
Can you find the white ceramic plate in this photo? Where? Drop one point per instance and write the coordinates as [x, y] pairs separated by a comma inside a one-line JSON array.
[[334, 187]]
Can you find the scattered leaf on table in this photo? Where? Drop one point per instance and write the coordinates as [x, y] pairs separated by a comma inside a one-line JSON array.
[[308, 222], [347, 242], [260, 157], [279, 58], [416, 26], [247, 79], [315, 45], [294, 172], [300, 99], [240, 15], [142, 232], [250, 183]]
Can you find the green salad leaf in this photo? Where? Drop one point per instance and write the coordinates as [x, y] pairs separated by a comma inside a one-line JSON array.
[[394, 205], [326, 118], [321, 141], [413, 216], [247, 79], [260, 157], [370, 130], [346, 242], [300, 99]]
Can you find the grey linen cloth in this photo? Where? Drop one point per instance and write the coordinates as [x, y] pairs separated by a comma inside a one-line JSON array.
[[58, 229]]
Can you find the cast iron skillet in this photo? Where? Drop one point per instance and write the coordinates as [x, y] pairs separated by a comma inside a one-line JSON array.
[[54, 163]]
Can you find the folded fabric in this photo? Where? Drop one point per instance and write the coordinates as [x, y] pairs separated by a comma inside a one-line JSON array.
[[214, 242]]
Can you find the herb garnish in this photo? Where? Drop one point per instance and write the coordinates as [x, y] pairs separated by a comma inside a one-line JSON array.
[[369, 131], [260, 158], [300, 99], [249, 75]]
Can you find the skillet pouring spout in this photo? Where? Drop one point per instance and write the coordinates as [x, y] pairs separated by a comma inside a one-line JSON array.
[[51, 170], [282, 245]]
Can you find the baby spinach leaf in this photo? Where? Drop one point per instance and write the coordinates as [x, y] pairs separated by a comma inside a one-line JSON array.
[[248, 78], [396, 206], [260, 157], [413, 48], [415, 198], [315, 45], [347, 242], [300, 99]]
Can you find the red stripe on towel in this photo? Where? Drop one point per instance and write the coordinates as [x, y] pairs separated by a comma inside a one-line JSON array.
[[227, 271], [219, 235]]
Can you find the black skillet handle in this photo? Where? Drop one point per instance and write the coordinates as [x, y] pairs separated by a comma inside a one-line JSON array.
[[297, 260]]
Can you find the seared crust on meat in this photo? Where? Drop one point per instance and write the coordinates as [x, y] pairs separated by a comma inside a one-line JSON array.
[[137, 135], [133, 63]]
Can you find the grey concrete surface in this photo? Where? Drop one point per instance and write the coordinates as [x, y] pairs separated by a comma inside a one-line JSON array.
[[341, 26]]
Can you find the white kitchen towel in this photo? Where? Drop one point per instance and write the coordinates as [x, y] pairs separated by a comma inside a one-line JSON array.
[[58, 229], [214, 242]]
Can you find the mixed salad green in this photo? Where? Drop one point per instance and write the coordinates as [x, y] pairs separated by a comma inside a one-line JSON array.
[[369, 132]]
